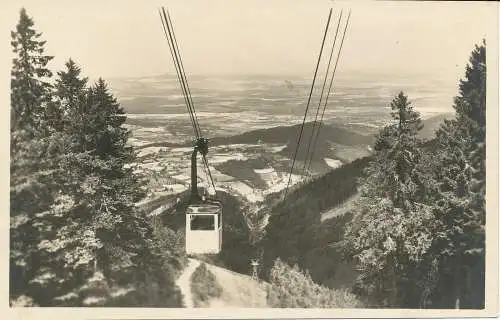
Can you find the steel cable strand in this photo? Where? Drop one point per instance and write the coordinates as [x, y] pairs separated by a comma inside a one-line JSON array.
[[330, 86], [307, 107]]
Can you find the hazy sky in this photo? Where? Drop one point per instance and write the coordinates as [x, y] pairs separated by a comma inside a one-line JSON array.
[[125, 38]]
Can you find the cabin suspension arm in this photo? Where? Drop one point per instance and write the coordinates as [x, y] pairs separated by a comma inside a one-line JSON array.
[[201, 145]]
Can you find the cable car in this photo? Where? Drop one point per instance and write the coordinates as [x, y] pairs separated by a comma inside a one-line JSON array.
[[203, 216]]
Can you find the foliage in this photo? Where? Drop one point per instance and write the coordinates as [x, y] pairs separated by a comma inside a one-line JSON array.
[[295, 231], [77, 238], [391, 230], [30, 77], [291, 288], [256, 222], [418, 232], [459, 193], [32, 157], [204, 286], [170, 244]]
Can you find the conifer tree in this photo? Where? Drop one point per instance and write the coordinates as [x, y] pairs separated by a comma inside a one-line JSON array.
[[32, 150], [77, 238], [118, 240], [115, 187], [68, 242], [30, 86], [389, 234], [71, 89], [460, 176]]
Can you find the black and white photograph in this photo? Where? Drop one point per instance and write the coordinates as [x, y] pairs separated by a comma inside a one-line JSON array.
[[283, 155]]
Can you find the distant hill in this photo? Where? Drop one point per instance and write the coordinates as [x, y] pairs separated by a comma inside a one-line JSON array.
[[432, 124], [289, 135], [296, 232], [330, 136], [325, 192], [335, 143], [285, 134]]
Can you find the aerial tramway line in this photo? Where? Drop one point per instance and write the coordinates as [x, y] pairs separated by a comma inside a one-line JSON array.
[[317, 125], [203, 231], [203, 215]]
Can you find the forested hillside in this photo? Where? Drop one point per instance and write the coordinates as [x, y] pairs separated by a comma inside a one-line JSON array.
[[295, 232]]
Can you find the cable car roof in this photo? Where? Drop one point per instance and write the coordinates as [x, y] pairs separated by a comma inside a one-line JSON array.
[[203, 208]]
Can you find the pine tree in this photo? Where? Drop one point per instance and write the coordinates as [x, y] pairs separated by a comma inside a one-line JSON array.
[[115, 187], [30, 86], [118, 240], [32, 161], [390, 232], [460, 177], [76, 236], [71, 89], [67, 240]]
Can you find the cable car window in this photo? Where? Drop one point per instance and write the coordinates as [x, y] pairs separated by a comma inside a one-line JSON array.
[[203, 222]]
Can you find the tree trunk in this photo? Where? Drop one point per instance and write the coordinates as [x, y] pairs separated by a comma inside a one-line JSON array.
[[457, 283], [393, 295], [394, 292]]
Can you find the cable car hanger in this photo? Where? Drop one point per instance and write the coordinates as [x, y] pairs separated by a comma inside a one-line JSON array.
[[203, 230], [200, 143]]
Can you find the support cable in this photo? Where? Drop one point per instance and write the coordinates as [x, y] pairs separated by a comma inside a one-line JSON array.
[[184, 94], [330, 86], [307, 107], [174, 49], [321, 99], [184, 73]]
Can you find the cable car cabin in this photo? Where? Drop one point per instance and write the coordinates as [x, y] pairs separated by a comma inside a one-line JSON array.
[[203, 217], [203, 229]]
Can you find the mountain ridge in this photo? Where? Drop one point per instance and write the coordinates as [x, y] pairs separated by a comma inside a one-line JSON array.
[[283, 134]]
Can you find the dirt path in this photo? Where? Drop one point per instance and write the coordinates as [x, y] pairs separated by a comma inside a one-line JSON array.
[[238, 290], [184, 282]]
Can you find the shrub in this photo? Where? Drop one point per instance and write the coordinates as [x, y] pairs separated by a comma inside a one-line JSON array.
[[204, 286], [291, 288]]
